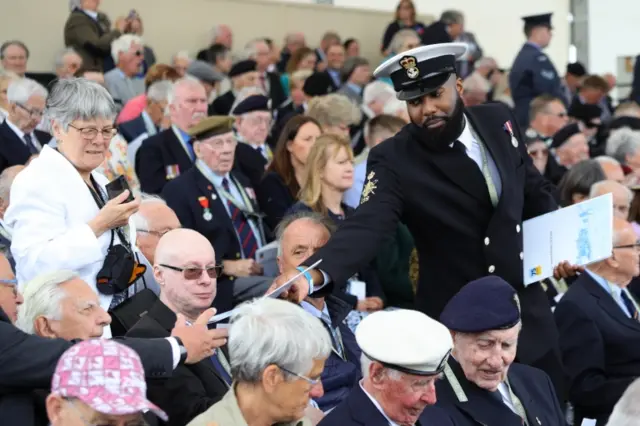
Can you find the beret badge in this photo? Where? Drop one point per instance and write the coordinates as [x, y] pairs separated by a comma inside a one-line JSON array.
[[409, 63]]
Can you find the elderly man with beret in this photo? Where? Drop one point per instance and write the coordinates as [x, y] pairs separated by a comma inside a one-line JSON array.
[[403, 355], [483, 386]]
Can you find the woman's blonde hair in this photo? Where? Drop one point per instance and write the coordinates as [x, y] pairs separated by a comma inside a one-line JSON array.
[[334, 110], [326, 147]]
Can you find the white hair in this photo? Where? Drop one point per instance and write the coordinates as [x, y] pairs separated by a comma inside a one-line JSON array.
[[622, 142], [187, 80], [393, 106], [377, 91], [365, 365], [183, 54], [43, 297], [245, 93], [20, 90], [79, 99], [626, 412], [606, 186], [251, 48], [216, 31], [159, 91], [59, 61], [122, 44], [476, 83], [139, 221], [400, 38], [627, 109], [269, 331]]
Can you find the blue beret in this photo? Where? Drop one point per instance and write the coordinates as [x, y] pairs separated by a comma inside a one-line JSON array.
[[488, 303], [242, 67], [251, 104]]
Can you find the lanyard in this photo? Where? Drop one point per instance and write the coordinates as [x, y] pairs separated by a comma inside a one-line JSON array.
[[247, 207], [182, 141], [493, 193]]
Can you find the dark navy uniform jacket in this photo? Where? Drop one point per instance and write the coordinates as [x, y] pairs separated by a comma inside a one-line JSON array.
[[532, 74], [442, 197], [482, 407]]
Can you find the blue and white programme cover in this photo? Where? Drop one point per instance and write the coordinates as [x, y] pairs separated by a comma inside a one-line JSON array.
[[580, 234]]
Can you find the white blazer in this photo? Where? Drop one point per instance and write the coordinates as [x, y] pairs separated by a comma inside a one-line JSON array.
[[49, 210]]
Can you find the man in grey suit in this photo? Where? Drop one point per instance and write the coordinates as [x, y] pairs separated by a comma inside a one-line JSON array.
[[355, 74], [122, 83]]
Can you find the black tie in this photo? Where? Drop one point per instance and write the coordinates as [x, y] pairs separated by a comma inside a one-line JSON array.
[[629, 304], [33, 149]]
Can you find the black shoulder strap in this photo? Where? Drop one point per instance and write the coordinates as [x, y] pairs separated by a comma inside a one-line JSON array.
[[99, 197]]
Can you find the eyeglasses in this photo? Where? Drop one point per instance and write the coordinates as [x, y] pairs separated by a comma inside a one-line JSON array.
[[312, 382], [636, 246], [33, 113], [72, 402], [90, 133], [11, 283], [558, 114], [158, 234], [193, 273]]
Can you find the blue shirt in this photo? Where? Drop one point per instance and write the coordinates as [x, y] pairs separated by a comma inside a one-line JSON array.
[[335, 76], [315, 311], [184, 141], [357, 89], [353, 194], [216, 180], [611, 289]]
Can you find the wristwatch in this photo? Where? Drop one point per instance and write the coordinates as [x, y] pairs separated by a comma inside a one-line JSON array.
[[183, 350]]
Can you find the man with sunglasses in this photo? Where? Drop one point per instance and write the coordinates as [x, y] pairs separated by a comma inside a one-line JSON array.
[[185, 269], [19, 139], [599, 330], [122, 81]]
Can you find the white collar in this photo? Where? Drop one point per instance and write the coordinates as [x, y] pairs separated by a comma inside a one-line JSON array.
[[15, 129], [506, 396], [377, 405], [91, 13], [466, 138]]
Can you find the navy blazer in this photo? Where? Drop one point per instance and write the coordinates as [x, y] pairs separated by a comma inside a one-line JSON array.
[[357, 409], [222, 104], [154, 156], [532, 386], [131, 129], [274, 198], [183, 196], [600, 348], [250, 163], [13, 150]]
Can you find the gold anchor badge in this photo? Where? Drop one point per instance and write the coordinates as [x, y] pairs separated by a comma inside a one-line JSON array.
[[369, 188]]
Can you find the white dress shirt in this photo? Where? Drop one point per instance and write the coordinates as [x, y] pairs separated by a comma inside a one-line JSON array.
[[506, 397]]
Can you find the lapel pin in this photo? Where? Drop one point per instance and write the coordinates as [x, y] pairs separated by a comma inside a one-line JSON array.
[[509, 129], [206, 214], [214, 197], [210, 188], [538, 420]]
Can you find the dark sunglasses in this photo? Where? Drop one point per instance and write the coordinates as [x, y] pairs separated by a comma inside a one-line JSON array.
[[193, 273]]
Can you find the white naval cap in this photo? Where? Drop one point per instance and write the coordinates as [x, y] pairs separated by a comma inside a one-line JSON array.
[[421, 70], [405, 340]]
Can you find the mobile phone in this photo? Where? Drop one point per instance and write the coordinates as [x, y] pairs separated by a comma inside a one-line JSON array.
[[117, 187]]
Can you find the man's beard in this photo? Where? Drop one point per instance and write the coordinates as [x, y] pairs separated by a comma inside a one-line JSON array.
[[445, 135]]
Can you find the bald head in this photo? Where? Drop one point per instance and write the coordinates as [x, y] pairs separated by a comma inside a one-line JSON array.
[[181, 245], [622, 196], [623, 232]]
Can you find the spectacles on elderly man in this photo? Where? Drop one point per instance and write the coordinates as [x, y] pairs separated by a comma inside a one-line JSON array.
[[309, 380], [90, 133], [193, 273], [33, 112], [11, 283], [629, 246]]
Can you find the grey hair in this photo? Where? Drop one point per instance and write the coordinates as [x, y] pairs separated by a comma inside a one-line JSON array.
[[251, 48], [138, 220], [622, 143], [122, 44], [449, 17], [10, 43], [626, 412], [627, 109], [187, 80], [245, 93], [183, 54], [607, 186], [159, 91], [485, 61], [43, 297], [399, 38], [73, 4], [79, 99], [293, 37], [6, 180], [365, 365], [313, 217], [333, 110], [20, 90], [59, 61], [377, 91], [476, 83], [270, 331]]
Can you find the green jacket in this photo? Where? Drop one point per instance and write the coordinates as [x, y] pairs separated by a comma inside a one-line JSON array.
[[90, 38]]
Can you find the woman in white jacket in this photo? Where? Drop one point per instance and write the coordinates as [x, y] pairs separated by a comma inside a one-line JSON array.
[[56, 221]]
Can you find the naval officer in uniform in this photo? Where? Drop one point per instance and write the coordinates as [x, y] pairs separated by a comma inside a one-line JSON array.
[[532, 73], [462, 181], [482, 385]]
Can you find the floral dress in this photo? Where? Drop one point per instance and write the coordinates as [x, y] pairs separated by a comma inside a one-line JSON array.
[[116, 163]]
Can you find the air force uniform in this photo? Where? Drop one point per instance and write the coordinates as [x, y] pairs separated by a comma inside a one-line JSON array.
[[532, 73], [526, 397], [403, 340], [465, 213]]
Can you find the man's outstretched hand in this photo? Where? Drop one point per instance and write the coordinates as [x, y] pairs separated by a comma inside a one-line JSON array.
[[299, 290]]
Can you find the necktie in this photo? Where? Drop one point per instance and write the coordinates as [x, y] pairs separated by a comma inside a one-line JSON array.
[[189, 145], [263, 82], [241, 224], [33, 149], [629, 304], [217, 365], [335, 336], [117, 299]]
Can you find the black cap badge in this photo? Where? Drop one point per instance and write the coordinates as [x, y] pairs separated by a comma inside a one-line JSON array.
[[409, 63]]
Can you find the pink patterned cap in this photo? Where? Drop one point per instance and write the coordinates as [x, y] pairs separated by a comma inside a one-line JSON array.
[[106, 375]]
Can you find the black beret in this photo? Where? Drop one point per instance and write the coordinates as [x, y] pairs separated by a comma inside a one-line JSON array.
[[252, 103], [577, 69], [242, 67], [564, 134], [488, 303], [585, 112], [318, 84]]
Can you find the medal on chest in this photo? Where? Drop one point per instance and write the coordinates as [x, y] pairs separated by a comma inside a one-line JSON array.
[[509, 129], [206, 212]]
